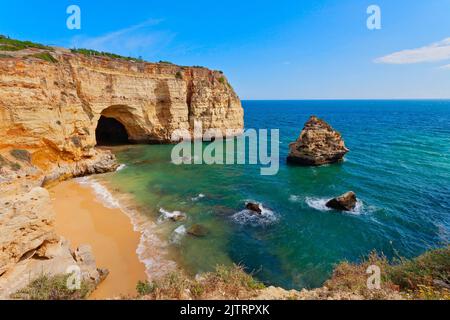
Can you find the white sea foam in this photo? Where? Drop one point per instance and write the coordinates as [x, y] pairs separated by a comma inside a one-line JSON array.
[[101, 193], [151, 250], [248, 217], [294, 198], [121, 167], [317, 203], [320, 204], [198, 197], [165, 215], [178, 234]]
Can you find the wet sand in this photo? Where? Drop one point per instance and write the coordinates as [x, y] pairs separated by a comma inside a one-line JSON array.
[[82, 219]]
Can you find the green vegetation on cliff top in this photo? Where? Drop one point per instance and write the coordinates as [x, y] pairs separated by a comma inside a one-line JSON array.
[[7, 44]]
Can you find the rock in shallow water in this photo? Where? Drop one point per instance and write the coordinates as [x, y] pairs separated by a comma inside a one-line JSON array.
[[198, 230], [318, 144], [254, 207], [345, 202]]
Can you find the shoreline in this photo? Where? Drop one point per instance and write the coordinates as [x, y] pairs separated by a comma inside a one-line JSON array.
[[83, 219]]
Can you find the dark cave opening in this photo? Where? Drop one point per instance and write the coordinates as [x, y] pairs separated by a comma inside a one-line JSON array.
[[110, 132]]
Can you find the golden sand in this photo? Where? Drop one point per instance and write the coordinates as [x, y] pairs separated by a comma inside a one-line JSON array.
[[82, 219]]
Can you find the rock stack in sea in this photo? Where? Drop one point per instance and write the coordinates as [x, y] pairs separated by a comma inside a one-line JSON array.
[[318, 144], [345, 202]]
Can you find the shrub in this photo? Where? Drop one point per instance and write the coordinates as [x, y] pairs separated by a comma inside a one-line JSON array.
[[165, 62], [23, 155], [424, 270], [89, 52], [44, 56], [179, 75], [222, 80], [52, 288], [229, 282], [145, 288], [7, 44]]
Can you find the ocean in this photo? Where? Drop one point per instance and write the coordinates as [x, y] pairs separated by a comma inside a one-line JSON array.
[[398, 165]]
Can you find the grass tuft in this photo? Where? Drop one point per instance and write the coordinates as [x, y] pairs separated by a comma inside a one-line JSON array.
[[225, 282], [52, 288]]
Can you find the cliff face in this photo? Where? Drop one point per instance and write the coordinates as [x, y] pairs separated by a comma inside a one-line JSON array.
[[53, 108], [51, 105]]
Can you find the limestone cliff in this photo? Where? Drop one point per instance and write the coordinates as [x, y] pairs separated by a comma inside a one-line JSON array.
[[51, 103], [52, 108]]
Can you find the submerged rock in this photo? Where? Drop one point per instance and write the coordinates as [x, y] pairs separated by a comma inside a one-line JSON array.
[[254, 207], [345, 202], [318, 144], [198, 230]]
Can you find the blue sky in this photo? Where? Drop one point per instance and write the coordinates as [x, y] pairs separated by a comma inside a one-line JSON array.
[[291, 49]]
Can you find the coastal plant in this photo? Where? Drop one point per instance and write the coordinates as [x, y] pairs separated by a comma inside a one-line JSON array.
[[179, 75], [228, 282], [145, 288], [47, 287], [424, 277], [426, 270], [222, 80], [20, 154], [95, 53], [7, 44], [44, 56]]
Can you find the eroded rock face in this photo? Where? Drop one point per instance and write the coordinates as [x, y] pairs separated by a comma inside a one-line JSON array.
[[345, 202], [26, 223], [53, 109], [30, 247], [318, 144]]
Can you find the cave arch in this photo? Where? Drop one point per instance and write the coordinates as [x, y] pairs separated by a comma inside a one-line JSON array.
[[110, 131]]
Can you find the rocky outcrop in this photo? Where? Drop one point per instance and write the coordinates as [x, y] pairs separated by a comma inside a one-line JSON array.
[[26, 223], [318, 144], [29, 246], [253, 207], [345, 202], [197, 230]]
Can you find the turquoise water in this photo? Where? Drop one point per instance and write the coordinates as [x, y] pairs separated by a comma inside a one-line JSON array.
[[399, 167]]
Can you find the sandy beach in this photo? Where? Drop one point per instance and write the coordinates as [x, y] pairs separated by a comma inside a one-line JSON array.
[[82, 219]]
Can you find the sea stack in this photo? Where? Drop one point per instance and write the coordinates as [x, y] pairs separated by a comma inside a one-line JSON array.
[[345, 202], [318, 144]]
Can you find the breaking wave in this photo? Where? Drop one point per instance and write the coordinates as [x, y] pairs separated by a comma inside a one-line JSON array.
[[121, 167], [248, 217], [165, 215], [178, 234], [198, 197], [101, 193], [320, 204]]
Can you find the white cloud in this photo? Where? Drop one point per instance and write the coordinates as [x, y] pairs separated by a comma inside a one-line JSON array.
[[134, 40], [446, 67], [438, 51]]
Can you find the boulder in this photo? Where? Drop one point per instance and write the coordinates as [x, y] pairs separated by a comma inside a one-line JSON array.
[[198, 230], [345, 202], [254, 207], [318, 144]]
